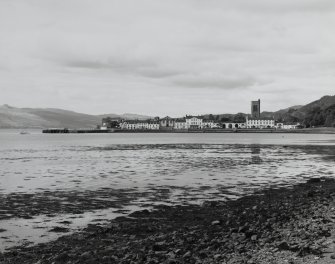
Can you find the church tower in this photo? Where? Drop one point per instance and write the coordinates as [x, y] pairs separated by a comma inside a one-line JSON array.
[[256, 109]]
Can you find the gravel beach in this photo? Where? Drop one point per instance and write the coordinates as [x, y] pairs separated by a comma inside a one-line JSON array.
[[284, 225]]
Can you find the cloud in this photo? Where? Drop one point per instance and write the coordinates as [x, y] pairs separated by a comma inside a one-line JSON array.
[[141, 54], [215, 81], [273, 6], [122, 65]]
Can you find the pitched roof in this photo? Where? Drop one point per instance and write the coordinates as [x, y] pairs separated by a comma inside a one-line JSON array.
[[250, 118], [141, 122], [190, 116]]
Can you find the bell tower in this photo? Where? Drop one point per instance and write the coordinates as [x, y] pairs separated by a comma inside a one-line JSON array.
[[256, 109]]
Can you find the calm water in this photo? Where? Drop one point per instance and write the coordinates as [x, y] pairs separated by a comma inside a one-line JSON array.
[[168, 168], [35, 162]]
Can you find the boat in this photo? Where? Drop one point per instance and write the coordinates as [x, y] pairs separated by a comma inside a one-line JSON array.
[[24, 133]]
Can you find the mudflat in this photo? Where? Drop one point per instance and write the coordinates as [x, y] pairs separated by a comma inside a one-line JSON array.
[[283, 225]]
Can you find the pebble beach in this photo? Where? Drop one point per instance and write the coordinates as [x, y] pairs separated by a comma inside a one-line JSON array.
[[284, 225]]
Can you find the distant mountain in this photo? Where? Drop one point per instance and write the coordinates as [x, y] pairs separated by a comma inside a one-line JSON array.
[[12, 117], [127, 116]]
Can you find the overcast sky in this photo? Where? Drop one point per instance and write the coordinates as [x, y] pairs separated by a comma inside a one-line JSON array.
[[166, 57]]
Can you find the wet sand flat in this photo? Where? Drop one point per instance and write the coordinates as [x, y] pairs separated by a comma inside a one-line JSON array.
[[47, 192], [284, 225]]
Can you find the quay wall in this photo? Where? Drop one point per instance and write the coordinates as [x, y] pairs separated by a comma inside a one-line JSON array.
[[249, 130]]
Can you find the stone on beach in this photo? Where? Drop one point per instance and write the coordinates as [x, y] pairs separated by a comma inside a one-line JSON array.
[[291, 227]]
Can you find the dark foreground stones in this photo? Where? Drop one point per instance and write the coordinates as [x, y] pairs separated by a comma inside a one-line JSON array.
[[59, 229], [273, 226]]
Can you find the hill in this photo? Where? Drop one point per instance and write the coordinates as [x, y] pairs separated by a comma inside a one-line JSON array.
[[317, 113], [12, 117], [127, 116]]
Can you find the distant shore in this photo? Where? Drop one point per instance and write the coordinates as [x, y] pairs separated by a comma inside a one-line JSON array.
[[323, 130], [286, 225]]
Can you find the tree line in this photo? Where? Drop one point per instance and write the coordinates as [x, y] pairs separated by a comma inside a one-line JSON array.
[[318, 117]]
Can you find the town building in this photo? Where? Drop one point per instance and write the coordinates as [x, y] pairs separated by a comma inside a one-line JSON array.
[[230, 125], [256, 109], [166, 123], [110, 122], [260, 123], [288, 125], [256, 121], [194, 122], [208, 123], [140, 125], [180, 123], [199, 122]]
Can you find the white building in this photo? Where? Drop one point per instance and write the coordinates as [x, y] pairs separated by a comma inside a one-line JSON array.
[[193, 122], [166, 123], [233, 125], [180, 123], [128, 125], [260, 123], [291, 126], [209, 124], [279, 125], [139, 125], [287, 126]]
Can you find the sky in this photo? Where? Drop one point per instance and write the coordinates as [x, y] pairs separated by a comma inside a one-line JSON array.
[[172, 57]]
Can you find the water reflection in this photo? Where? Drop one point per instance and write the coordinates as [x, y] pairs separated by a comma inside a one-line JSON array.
[[255, 154]]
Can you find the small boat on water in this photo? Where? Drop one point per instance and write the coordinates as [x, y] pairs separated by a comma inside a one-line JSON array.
[[24, 133]]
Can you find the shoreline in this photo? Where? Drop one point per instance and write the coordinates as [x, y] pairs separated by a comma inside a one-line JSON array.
[[284, 225], [261, 131]]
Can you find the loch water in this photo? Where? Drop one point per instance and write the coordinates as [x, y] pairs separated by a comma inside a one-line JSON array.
[[71, 180]]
